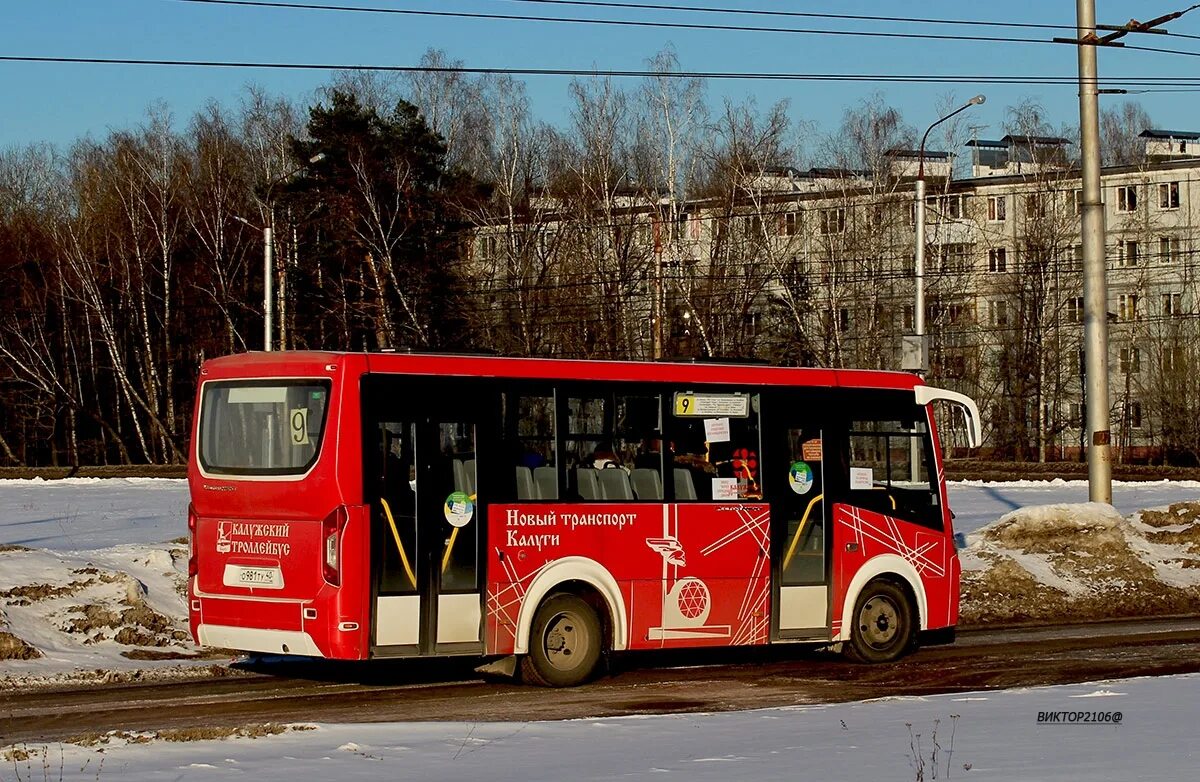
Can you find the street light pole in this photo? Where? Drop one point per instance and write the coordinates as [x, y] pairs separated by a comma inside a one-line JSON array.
[[268, 285], [269, 251], [920, 362]]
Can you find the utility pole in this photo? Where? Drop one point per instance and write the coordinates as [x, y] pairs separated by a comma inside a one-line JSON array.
[[1095, 284]]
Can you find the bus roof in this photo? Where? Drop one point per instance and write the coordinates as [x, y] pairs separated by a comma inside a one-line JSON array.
[[309, 363]]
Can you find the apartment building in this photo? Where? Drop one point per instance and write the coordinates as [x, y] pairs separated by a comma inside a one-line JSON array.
[[817, 267]]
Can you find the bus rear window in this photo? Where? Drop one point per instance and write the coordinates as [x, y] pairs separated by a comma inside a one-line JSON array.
[[262, 427]]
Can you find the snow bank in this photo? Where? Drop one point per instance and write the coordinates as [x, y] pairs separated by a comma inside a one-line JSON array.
[[1065, 561], [97, 614]]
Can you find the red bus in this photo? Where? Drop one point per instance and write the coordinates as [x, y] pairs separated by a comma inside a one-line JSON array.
[[370, 505]]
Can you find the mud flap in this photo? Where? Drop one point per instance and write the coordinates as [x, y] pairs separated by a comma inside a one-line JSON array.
[[503, 667]]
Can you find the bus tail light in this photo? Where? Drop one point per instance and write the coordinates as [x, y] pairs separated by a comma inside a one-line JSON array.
[[331, 535], [191, 538]]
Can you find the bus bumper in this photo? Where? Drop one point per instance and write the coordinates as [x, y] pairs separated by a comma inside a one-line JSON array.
[[252, 639]]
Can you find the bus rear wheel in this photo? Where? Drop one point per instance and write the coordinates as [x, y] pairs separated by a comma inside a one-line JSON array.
[[564, 643], [884, 628]]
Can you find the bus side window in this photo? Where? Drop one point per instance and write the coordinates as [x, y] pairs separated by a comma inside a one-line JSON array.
[[889, 470], [529, 432], [715, 449], [637, 442]]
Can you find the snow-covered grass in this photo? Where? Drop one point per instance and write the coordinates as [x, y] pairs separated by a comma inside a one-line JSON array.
[[974, 736]]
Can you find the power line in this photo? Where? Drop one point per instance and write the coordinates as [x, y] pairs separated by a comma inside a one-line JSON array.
[[1066, 81], [618, 22], [798, 14]]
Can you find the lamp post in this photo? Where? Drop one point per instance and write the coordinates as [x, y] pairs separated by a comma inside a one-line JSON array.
[[269, 249], [920, 362]]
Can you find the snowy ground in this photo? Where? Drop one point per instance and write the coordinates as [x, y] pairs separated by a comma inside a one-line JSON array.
[[978, 736], [91, 569], [90, 578]]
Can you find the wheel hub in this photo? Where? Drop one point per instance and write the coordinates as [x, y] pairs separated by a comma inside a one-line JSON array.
[[878, 622], [564, 636]]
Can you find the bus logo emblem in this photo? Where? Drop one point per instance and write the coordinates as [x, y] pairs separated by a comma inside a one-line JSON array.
[[224, 543]]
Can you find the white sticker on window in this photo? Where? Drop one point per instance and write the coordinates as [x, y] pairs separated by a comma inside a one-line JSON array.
[[716, 430], [299, 422], [862, 478], [724, 488]]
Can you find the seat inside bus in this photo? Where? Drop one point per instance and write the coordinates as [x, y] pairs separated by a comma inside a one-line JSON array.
[[647, 483], [614, 483], [545, 480], [684, 488], [526, 489]]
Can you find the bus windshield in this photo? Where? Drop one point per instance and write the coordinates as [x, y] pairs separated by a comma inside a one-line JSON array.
[[262, 427]]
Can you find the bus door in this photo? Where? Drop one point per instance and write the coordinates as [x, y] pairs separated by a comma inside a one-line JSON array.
[[426, 524], [799, 519]]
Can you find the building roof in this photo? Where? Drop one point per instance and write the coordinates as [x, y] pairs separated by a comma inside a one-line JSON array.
[[1039, 140], [1187, 135], [979, 142], [916, 153]]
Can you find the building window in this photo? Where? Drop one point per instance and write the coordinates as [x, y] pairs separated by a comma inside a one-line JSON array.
[[1127, 306], [1076, 413], [958, 313], [1127, 198], [1127, 253], [998, 260], [1035, 205], [1133, 415], [488, 247], [946, 207], [1077, 256], [833, 221], [1131, 361], [1168, 249], [844, 319], [1168, 195], [997, 212], [1172, 359], [791, 223], [998, 312], [956, 258], [1172, 304], [1078, 202], [1075, 309]]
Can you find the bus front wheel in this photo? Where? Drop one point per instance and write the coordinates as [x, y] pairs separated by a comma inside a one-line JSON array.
[[884, 627], [564, 643]]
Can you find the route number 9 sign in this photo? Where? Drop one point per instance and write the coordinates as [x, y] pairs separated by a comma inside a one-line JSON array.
[[299, 423]]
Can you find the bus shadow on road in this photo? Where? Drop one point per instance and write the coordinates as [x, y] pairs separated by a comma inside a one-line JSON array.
[[424, 671]]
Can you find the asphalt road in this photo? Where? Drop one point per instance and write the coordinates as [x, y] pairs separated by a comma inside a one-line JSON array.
[[638, 683]]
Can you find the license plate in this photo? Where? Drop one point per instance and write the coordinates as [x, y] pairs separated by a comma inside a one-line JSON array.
[[253, 577]]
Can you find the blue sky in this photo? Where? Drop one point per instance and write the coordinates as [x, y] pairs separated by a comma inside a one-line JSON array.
[[60, 103]]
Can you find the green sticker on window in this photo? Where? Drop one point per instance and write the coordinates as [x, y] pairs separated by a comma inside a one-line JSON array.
[[459, 509], [800, 477]]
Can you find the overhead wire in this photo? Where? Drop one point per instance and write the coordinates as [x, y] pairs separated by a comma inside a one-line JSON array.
[[795, 14], [634, 23], [1065, 81]]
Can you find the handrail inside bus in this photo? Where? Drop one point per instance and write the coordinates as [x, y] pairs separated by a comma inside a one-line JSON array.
[[927, 394], [791, 552], [399, 546]]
